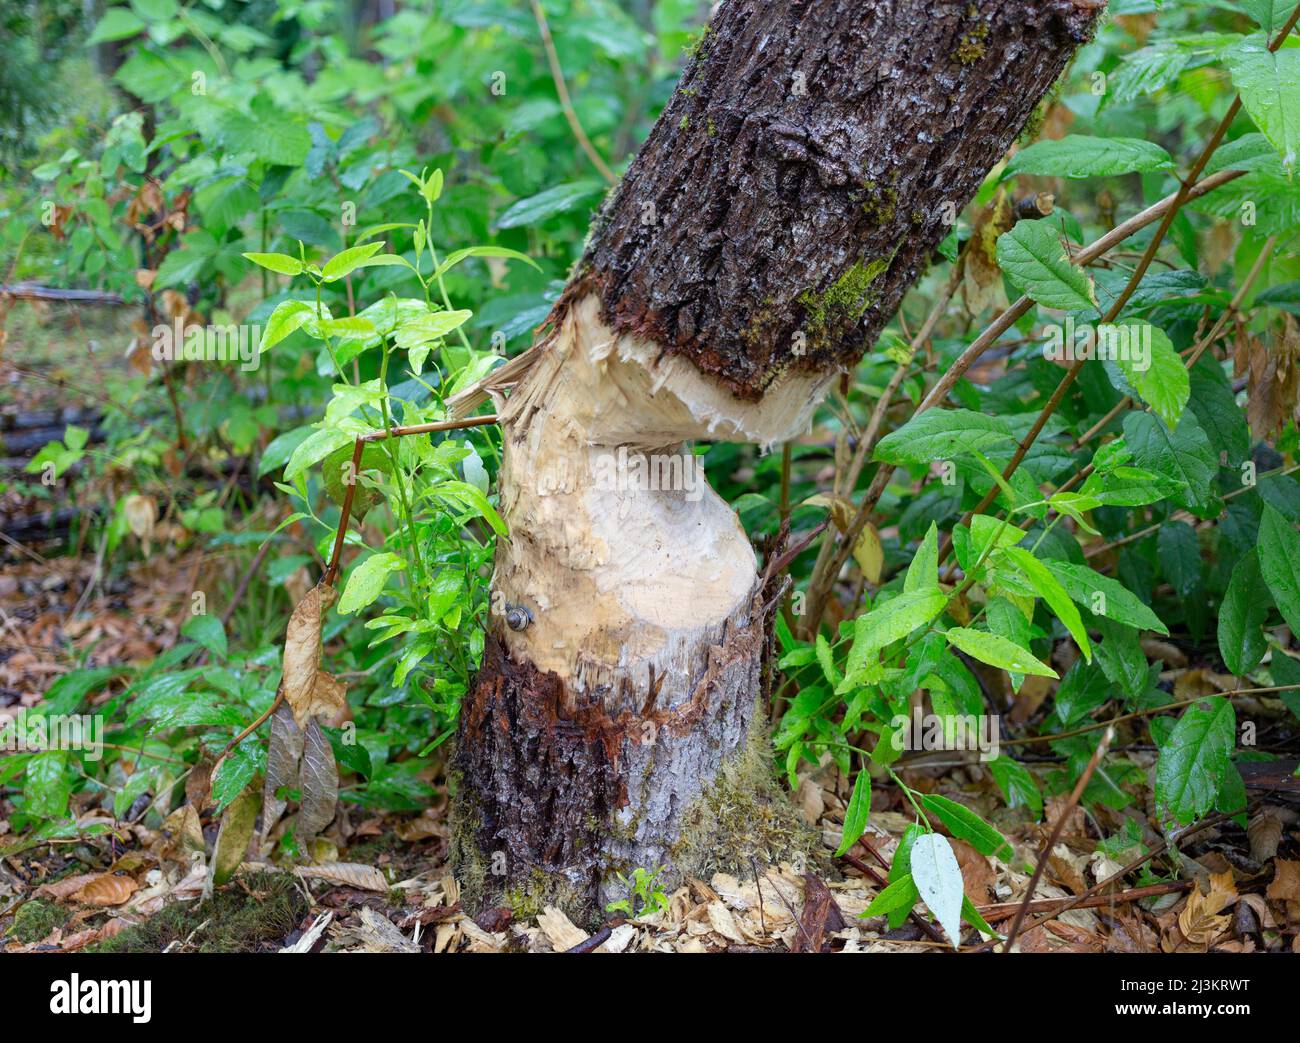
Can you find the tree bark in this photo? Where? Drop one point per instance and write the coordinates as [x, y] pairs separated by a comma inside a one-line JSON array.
[[795, 186]]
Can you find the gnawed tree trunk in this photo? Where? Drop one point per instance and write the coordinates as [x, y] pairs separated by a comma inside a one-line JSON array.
[[797, 183]]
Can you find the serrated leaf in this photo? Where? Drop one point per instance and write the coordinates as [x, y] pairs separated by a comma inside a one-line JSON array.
[[207, 631], [1034, 260], [1081, 156], [1241, 617], [942, 434], [1161, 379], [1194, 760], [287, 317], [1279, 564], [899, 895], [888, 622], [1017, 785], [1183, 454], [348, 261], [557, 200], [1269, 85]]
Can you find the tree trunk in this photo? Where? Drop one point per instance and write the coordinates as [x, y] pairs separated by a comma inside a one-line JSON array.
[[795, 186]]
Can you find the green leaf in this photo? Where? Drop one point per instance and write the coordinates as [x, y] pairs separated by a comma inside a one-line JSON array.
[[942, 434], [1241, 617], [472, 497], [47, 784], [287, 317], [855, 816], [1147, 71], [557, 200], [207, 631], [938, 880], [1183, 454], [1081, 691], [315, 447], [968, 826], [1269, 85], [1179, 554], [456, 256], [366, 582], [1017, 784], [888, 622], [1117, 601], [237, 771], [997, 651], [1160, 379], [117, 24], [1050, 590], [826, 660], [432, 326], [282, 263], [1194, 760], [1127, 487], [923, 572], [901, 894], [1080, 156], [348, 261], [1032, 257], [1279, 564]]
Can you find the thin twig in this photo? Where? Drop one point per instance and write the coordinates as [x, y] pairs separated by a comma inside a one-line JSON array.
[[1077, 792], [566, 103], [1138, 714], [1055, 906]]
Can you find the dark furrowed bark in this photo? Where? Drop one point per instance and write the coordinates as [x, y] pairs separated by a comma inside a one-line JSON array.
[[812, 157]]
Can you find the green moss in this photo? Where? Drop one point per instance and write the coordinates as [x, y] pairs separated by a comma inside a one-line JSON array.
[[831, 313], [36, 920], [255, 913], [971, 48], [743, 820], [684, 123], [879, 203], [694, 47], [467, 860], [709, 128]]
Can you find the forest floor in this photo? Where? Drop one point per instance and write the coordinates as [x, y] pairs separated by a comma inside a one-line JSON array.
[[384, 883]]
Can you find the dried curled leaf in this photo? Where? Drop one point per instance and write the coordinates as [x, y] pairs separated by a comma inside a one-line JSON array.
[[106, 889], [328, 697], [184, 828], [319, 781], [302, 651], [1200, 921], [282, 757], [1265, 833], [347, 874]]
